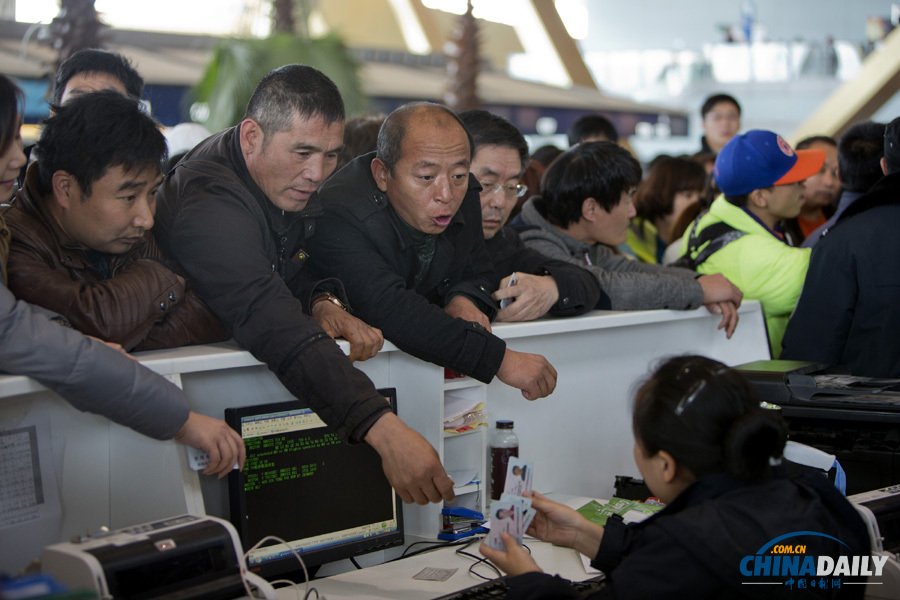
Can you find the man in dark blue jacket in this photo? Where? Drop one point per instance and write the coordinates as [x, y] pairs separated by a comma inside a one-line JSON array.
[[849, 311]]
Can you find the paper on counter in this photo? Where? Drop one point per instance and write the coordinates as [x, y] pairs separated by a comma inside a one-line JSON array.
[[30, 507], [463, 477], [586, 563], [597, 511]]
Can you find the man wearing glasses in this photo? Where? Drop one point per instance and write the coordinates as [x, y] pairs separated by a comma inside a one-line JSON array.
[[402, 231], [528, 284]]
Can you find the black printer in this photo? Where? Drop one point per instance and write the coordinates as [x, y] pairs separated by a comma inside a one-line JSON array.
[[855, 418]]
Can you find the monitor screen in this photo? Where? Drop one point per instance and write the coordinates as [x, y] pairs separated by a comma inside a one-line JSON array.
[[328, 499]]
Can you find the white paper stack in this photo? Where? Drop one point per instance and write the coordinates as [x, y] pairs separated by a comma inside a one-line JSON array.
[[456, 408]]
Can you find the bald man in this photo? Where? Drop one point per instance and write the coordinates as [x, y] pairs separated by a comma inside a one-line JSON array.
[[402, 230]]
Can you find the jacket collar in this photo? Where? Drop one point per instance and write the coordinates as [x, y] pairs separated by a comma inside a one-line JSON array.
[[710, 487], [847, 198], [703, 489], [885, 191], [739, 218], [531, 216]]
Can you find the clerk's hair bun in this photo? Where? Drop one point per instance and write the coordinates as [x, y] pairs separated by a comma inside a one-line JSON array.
[[753, 439]]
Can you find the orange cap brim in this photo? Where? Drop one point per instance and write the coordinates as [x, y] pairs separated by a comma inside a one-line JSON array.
[[809, 162]]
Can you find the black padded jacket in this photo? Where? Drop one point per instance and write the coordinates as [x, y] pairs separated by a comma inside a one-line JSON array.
[[248, 260]]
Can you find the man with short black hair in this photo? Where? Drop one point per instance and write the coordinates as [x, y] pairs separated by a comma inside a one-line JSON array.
[[859, 155], [592, 128], [239, 211], [541, 284], [402, 230], [741, 236], [849, 311], [92, 70], [87, 71], [82, 245], [721, 120]]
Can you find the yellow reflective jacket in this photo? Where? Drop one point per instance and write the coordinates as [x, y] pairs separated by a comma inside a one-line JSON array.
[[643, 240], [761, 265]]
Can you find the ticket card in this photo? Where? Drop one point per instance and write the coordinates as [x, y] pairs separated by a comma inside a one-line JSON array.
[[519, 474], [504, 517], [507, 301], [513, 512]]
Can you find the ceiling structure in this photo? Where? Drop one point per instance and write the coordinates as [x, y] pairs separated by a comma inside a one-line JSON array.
[[378, 30]]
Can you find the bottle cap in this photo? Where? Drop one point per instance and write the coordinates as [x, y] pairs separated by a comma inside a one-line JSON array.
[[504, 424]]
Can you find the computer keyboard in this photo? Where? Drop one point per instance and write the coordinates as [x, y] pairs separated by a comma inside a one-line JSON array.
[[497, 588]]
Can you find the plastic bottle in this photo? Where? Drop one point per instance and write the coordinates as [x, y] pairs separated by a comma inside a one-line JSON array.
[[504, 444]]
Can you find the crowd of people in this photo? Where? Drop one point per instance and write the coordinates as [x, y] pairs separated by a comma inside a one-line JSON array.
[[423, 227]]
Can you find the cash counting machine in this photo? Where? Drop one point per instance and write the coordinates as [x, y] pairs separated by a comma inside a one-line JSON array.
[[184, 557]]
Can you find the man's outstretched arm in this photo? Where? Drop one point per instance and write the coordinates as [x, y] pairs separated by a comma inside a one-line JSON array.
[[410, 463], [220, 244], [96, 378]]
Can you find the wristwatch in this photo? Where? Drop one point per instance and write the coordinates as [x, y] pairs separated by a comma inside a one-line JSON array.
[[327, 297]]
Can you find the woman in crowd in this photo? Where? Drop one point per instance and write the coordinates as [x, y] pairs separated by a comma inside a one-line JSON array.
[[12, 158], [360, 137], [704, 447], [91, 375], [672, 185]]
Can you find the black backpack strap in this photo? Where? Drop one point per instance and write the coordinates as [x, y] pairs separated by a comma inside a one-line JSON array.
[[711, 240]]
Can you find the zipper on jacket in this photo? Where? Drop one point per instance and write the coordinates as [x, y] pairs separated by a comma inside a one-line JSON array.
[[282, 247]]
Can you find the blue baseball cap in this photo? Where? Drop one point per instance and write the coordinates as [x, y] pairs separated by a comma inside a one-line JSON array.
[[760, 159]]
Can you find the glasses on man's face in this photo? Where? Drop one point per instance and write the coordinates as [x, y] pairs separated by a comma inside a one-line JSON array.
[[510, 191], [727, 116]]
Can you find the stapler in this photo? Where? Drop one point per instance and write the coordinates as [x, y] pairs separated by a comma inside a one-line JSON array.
[[460, 522]]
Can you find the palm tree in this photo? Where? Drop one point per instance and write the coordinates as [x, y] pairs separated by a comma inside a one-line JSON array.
[[238, 64], [464, 64], [77, 26], [283, 16]]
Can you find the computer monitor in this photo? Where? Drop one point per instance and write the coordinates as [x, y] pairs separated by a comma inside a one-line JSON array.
[[328, 499]]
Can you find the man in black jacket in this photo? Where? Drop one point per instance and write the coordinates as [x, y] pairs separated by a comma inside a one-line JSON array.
[[849, 311], [239, 212], [541, 284], [402, 230], [86, 71]]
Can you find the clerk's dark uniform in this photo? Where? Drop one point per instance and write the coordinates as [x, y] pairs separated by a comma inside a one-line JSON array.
[[693, 548]]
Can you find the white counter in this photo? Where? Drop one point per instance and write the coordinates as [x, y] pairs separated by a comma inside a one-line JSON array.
[[579, 438]]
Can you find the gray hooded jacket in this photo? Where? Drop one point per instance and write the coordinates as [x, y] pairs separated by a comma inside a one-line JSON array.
[[630, 284], [91, 376]]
